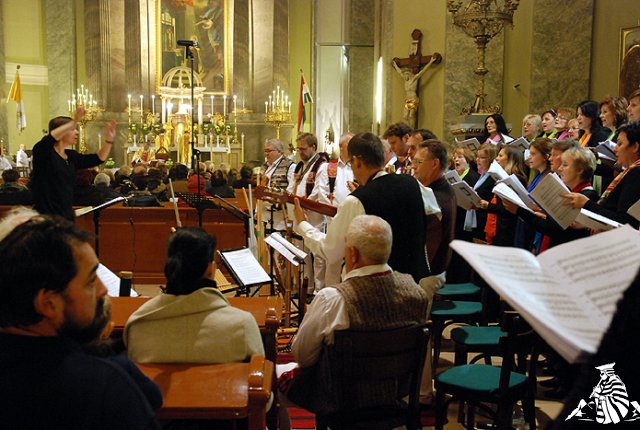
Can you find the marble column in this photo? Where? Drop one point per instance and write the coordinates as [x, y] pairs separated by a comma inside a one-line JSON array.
[[4, 132], [360, 30], [61, 53], [561, 54]]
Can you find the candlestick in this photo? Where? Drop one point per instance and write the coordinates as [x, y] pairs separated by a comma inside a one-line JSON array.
[[212, 111], [266, 107], [153, 105], [235, 107], [129, 96], [163, 111], [224, 105], [141, 109], [217, 140], [69, 104]]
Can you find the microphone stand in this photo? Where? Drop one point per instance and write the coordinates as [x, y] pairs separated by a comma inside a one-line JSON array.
[[195, 153]]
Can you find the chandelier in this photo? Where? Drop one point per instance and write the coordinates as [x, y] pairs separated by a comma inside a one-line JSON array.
[[482, 20]]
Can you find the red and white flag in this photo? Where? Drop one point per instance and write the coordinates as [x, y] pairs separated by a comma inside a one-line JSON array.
[[305, 97]]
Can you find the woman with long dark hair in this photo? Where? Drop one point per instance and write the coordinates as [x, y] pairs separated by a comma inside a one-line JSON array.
[[592, 132], [495, 130]]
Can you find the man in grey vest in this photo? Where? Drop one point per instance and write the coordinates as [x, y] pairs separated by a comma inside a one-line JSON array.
[[278, 172], [372, 297]]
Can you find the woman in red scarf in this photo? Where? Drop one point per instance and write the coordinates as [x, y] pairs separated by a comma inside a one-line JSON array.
[[624, 190]]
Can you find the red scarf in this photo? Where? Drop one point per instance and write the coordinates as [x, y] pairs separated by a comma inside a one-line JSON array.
[[491, 227], [617, 180]]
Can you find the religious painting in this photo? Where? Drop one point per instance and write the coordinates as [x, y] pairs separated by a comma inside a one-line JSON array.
[[629, 61], [205, 22]]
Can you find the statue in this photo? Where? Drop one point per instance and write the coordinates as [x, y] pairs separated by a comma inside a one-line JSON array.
[[411, 70], [411, 99]]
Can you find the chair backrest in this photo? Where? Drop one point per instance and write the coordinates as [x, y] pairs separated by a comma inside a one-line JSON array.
[[378, 368], [519, 349]]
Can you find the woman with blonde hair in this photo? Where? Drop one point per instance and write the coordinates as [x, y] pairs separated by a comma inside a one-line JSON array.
[[531, 126]]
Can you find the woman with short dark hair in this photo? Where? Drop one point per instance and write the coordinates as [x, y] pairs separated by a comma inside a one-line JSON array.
[[592, 132]]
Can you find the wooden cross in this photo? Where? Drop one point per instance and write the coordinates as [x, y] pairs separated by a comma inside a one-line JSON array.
[[416, 61]]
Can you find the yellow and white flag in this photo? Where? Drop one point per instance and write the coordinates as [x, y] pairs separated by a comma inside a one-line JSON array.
[[15, 93]]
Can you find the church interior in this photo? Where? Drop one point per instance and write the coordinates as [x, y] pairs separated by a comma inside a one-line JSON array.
[[222, 77]]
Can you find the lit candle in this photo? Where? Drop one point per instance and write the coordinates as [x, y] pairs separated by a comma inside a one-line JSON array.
[[129, 96], [289, 107], [278, 95], [235, 107], [224, 105], [217, 140], [163, 110], [141, 109], [153, 104], [99, 138], [69, 104], [242, 148], [200, 114], [212, 111], [266, 107]]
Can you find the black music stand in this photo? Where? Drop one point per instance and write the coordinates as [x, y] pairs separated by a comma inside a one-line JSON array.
[[237, 212], [199, 202]]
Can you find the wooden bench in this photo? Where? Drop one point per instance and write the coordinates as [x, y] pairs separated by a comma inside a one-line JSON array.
[[228, 391], [266, 310]]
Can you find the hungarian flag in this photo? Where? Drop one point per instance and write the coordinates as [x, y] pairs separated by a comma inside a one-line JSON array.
[[15, 93], [305, 97]]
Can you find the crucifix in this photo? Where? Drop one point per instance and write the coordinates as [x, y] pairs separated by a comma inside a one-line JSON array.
[[411, 70]]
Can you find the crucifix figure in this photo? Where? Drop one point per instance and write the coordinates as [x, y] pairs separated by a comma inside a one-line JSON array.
[[410, 70]]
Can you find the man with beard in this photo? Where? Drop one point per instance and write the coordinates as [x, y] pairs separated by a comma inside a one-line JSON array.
[[49, 296]]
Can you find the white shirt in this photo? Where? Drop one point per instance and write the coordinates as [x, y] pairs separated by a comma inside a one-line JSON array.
[[319, 193], [326, 314], [22, 159], [330, 246], [5, 164], [343, 175]]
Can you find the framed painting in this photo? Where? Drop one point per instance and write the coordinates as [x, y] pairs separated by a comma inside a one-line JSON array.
[[629, 60], [203, 21]]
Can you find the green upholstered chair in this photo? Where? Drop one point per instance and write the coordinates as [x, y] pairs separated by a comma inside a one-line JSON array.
[[480, 384], [446, 312]]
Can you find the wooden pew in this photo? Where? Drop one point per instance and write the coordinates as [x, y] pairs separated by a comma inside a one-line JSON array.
[[135, 238], [228, 391], [266, 310]]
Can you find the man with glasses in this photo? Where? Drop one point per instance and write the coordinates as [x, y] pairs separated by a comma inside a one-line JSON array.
[[397, 199], [278, 173], [429, 166], [312, 183]]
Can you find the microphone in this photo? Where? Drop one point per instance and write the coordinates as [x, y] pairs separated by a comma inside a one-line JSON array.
[[188, 43]]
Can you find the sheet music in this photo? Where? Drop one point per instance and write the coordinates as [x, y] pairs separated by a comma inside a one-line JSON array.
[[514, 183], [607, 150], [246, 267], [466, 197], [473, 144], [111, 281], [547, 195], [506, 193], [452, 177], [567, 298], [520, 142], [87, 209], [634, 210], [497, 172], [595, 221], [290, 246]]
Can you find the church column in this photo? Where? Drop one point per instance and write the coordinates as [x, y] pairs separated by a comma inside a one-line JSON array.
[[4, 133], [61, 53]]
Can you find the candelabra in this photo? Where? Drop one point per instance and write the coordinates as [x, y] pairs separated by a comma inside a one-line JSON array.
[[482, 20], [83, 98], [277, 110]]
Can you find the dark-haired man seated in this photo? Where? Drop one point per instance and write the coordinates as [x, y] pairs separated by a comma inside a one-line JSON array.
[[49, 295]]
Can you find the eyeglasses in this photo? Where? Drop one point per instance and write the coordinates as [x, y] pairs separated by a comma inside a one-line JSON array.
[[266, 151], [302, 148], [417, 161]]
